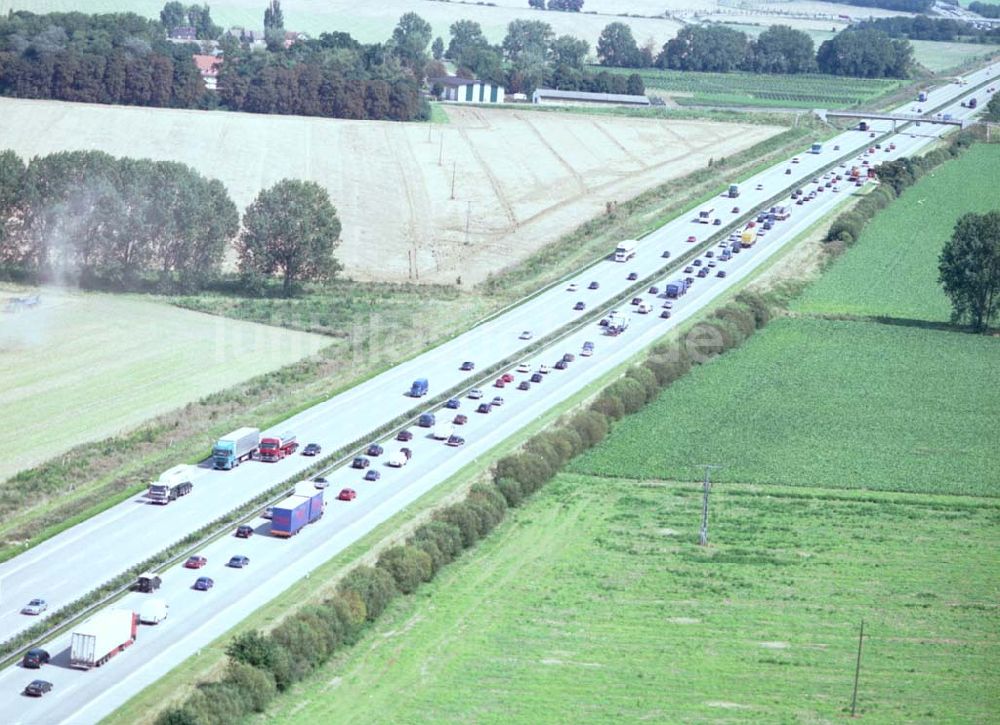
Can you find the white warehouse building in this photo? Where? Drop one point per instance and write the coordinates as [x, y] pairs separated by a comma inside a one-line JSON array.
[[465, 90]]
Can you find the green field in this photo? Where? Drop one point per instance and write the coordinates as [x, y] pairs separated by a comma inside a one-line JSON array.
[[596, 605], [892, 270], [82, 367], [937, 56], [751, 89], [818, 403]]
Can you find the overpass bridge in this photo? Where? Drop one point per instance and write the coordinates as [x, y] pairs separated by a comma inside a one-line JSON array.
[[894, 117]]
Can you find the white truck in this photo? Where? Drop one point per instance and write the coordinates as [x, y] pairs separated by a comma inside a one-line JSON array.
[[617, 323], [398, 459], [153, 611], [172, 484], [644, 308], [705, 215], [443, 432], [626, 250], [102, 637]]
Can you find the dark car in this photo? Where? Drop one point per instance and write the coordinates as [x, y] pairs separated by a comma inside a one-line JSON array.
[[239, 561], [35, 658], [654, 290], [524, 385], [203, 583], [37, 688], [467, 366], [717, 222], [593, 285], [568, 357], [404, 435], [696, 263], [665, 314], [703, 272], [347, 494], [666, 254], [736, 210], [454, 441], [360, 462], [372, 475], [788, 171], [374, 449], [561, 365], [579, 306], [460, 419], [195, 562], [604, 322], [721, 273], [313, 449], [768, 225], [244, 531], [709, 254], [637, 300], [689, 269], [453, 404], [536, 378], [484, 408], [633, 276]]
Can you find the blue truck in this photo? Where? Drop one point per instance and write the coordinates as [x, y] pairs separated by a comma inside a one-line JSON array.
[[291, 515], [816, 148], [236, 447], [419, 388], [677, 288]]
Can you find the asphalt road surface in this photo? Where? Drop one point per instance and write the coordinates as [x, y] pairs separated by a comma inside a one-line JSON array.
[[66, 567]]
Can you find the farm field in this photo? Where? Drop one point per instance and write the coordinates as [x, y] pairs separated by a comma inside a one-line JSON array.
[[595, 600], [936, 56], [840, 404], [82, 367], [401, 220], [892, 270], [750, 89]]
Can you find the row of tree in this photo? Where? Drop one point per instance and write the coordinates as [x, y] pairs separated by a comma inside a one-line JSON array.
[[987, 10], [569, 6], [901, 6], [88, 218], [921, 27]]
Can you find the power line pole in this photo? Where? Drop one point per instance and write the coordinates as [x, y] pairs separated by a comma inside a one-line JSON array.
[[454, 168], [707, 486], [857, 669], [441, 149], [468, 217]]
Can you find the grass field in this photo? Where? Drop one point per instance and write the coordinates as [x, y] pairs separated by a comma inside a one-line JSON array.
[[750, 89], [826, 403], [82, 367], [892, 270], [936, 56], [595, 604]]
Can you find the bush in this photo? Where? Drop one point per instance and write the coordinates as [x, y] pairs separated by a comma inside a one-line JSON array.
[[178, 716], [219, 703], [409, 567], [490, 496], [352, 612], [465, 519], [256, 683], [740, 318], [511, 490], [252, 648], [304, 644], [609, 405], [757, 306], [447, 537], [646, 380], [375, 587], [592, 426], [631, 393]]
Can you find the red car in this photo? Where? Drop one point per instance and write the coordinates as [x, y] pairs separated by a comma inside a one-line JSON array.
[[507, 378], [692, 238], [499, 383], [347, 494], [196, 562], [460, 420]]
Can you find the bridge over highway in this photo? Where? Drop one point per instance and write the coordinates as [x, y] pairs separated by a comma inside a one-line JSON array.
[[894, 117]]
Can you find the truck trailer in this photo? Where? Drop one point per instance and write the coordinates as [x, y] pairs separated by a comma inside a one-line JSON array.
[[295, 512], [102, 637], [626, 250], [749, 235], [171, 485], [816, 148], [734, 191], [617, 323], [233, 449], [677, 288], [274, 448]]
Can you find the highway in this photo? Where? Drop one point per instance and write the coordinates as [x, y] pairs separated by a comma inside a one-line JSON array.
[[81, 558]]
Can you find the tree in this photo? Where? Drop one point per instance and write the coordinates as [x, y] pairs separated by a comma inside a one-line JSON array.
[[536, 4], [274, 19], [572, 6], [705, 48], [200, 18], [411, 38], [634, 85], [466, 37], [527, 36], [617, 48], [437, 48], [569, 51], [780, 49], [173, 15], [291, 228], [865, 53], [969, 269], [993, 108]]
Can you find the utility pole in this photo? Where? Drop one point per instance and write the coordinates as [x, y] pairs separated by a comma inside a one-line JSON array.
[[857, 669], [441, 149], [454, 167], [707, 486], [468, 217]]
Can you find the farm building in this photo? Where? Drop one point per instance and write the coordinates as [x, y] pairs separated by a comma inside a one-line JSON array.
[[465, 90], [563, 98], [208, 66], [183, 32]]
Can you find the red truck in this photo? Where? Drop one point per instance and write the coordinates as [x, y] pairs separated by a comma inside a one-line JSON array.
[[274, 448]]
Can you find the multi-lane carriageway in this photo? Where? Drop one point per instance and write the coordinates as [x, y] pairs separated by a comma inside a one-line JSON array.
[[73, 563]]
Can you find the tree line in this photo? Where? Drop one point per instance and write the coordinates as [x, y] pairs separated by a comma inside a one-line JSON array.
[[90, 219], [921, 27], [902, 6], [987, 10]]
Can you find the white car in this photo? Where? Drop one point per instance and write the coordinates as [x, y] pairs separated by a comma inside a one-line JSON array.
[[543, 369], [573, 287], [475, 394], [524, 368], [35, 606], [526, 335]]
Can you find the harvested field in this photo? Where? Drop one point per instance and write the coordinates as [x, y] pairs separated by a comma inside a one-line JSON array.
[[521, 179], [82, 367]]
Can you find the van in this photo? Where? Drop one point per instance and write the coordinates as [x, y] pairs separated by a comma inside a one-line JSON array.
[[644, 308], [443, 432], [398, 459], [153, 611]]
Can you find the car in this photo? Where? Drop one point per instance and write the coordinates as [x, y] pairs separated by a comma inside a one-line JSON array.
[[268, 513], [798, 192], [654, 290], [37, 688], [347, 494], [828, 184], [709, 254], [703, 272], [692, 239], [203, 583], [759, 187], [573, 287], [736, 210], [34, 658], [800, 201], [689, 269], [499, 383], [35, 606], [579, 306], [587, 352], [795, 160], [497, 401], [238, 562], [767, 225], [836, 147], [454, 441], [195, 562], [632, 276], [508, 377], [878, 145], [536, 377], [406, 435], [892, 147], [453, 404], [636, 301], [374, 449], [668, 305], [244, 531], [561, 365], [835, 189], [543, 369], [696, 263], [467, 366], [568, 357], [372, 475], [665, 314], [717, 222], [604, 322], [360, 462], [320, 483], [523, 368], [475, 394], [593, 285], [312, 449], [721, 273], [526, 335], [815, 180], [788, 172], [484, 408], [666, 254], [524, 385], [459, 420]]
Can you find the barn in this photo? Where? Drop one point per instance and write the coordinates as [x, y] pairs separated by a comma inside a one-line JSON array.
[[553, 97], [466, 90]]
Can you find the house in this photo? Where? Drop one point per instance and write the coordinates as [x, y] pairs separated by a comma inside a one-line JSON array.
[[466, 90], [255, 38], [183, 32], [293, 36], [209, 67], [564, 98]]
